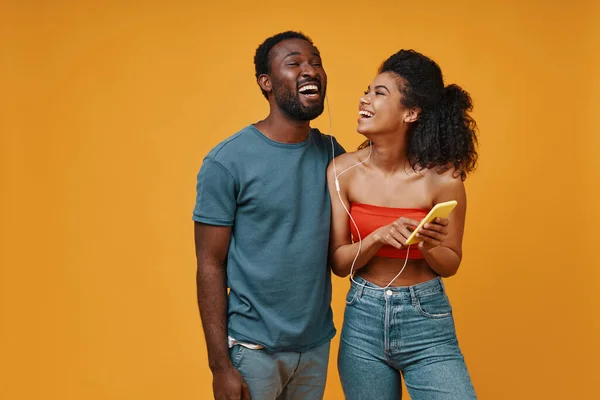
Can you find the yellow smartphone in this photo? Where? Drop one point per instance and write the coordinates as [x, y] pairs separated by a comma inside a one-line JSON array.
[[441, 210]]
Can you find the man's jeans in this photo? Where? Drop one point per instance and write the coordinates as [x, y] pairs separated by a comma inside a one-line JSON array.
[[283, 375]]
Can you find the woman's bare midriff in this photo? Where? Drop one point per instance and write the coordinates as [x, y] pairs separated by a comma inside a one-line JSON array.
[[381, 270]]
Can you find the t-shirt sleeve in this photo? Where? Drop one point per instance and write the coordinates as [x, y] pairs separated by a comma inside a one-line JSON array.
[[215, 195], [339, 150]]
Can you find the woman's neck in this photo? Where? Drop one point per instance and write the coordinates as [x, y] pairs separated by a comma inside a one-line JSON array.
[[390, 154]]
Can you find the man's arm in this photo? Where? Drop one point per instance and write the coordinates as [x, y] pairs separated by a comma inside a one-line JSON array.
[[212, 245]]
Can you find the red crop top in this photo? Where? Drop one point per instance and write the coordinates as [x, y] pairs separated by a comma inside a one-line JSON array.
[[369, 218]]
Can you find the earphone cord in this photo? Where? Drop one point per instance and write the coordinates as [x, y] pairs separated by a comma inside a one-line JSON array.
[[337, 188]]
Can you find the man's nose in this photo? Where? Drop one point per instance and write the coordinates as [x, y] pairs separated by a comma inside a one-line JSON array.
[[309, 70]]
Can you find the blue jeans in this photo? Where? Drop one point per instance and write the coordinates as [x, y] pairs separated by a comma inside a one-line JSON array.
[[283, 375], [408, 330]]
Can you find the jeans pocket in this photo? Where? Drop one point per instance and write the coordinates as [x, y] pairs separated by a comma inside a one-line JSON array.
[[236, 353], [434, 306], [352, 296]]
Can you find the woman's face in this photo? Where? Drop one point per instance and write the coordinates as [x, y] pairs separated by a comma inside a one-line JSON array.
[[381, 109]]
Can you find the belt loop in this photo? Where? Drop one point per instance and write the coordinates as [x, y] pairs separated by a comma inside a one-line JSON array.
[[361, 289], [442, 285], [413, 295]]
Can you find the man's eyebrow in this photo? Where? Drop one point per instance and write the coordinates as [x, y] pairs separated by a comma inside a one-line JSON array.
[[297, 53]]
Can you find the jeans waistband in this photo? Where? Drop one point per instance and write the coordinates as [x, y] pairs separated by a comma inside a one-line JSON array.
[[366, 288]]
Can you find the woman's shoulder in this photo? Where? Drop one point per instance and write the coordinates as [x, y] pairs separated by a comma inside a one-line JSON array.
[[349, 159], [344, 163], [445, 177]]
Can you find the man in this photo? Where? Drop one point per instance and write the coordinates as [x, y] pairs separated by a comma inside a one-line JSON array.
[[261, 228]]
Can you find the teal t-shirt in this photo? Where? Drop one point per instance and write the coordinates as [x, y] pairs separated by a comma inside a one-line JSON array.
[[275, 198]]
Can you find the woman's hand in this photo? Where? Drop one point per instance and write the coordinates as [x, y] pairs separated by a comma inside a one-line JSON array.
[[396, 233], [433, 233]]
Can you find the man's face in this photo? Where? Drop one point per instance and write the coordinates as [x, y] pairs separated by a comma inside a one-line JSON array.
[[298, 79]]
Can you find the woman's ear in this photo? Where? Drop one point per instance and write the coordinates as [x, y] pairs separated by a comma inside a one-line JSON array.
[[412, 114]]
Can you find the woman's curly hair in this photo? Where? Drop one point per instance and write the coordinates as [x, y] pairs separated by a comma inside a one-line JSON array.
[[444, 133]]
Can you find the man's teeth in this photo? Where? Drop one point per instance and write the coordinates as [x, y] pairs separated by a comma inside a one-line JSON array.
[[308, 88], [365, 113]]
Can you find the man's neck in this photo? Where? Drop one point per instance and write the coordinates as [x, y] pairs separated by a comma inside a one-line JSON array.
[[283, 130]]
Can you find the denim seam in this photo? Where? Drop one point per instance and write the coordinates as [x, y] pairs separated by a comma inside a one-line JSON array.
[[293, 372], [353, 298], [359, 292], [432, 316], [413, 297], [417, 305], [386, 327], [238, 357]]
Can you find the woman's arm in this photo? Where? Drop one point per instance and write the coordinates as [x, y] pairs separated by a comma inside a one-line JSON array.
[[442, 239]]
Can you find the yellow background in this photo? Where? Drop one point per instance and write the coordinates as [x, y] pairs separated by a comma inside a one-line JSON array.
[[108, 108]]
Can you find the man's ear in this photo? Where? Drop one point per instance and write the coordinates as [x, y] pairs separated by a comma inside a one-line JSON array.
[[264, 81]]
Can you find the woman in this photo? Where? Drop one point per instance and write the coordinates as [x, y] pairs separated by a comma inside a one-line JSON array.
[[398, 318]]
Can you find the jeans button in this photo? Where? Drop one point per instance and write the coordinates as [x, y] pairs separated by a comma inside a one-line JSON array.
[[389, 292]]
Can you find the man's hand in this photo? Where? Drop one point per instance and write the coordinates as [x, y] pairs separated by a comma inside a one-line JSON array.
[[228, 384]]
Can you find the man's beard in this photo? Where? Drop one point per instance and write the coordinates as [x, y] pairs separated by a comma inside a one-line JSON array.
[[289, 102]]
